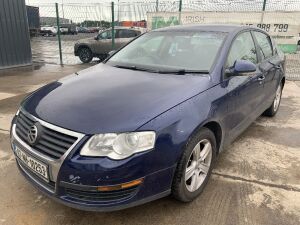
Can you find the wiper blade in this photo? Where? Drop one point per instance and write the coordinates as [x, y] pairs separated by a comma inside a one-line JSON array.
[[136, 68], [126, 67], [183, 71], [178, 72]]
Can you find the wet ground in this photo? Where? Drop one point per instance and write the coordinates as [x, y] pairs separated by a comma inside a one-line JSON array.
[[45, 49], [255, 181]]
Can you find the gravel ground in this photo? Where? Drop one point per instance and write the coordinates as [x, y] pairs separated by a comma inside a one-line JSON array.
[[255, 181]]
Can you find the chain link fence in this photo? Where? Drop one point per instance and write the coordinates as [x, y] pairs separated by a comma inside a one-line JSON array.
[[80, 23]]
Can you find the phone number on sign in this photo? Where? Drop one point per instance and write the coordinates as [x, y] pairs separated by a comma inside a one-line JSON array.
[[277, 27]]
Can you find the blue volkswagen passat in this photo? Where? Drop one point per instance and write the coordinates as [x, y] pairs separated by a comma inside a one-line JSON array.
[[150, 120]]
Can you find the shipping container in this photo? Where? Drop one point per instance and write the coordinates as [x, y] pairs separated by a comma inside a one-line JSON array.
[[33, 16], [15, 47]]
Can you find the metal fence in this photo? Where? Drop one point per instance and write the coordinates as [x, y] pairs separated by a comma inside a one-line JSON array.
[[87, 19]]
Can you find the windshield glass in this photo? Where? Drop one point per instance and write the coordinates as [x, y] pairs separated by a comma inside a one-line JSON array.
[[166, 50]]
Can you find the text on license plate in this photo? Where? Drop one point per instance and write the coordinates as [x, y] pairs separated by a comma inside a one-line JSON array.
[[32, 163]]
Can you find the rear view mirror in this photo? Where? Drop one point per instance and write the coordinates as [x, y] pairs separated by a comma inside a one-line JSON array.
[[242, 67]]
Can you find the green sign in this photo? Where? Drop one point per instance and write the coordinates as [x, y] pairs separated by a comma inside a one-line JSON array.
[[160, 22]]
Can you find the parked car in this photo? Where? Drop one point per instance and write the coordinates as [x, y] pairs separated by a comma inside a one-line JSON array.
[[101, 45], [48, 31], [68, 29], [151, 119], [93, 29], [82, 30]]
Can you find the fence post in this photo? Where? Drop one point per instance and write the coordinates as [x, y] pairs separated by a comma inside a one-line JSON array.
[[157, 5], [264, 5], [58, 34], [112, 25], [180, 8]]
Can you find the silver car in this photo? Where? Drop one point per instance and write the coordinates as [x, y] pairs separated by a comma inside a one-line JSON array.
[[101, 45]]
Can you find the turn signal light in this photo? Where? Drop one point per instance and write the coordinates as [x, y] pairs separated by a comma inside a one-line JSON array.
[[121, 186]]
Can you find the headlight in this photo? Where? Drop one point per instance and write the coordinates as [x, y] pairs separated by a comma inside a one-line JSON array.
[[118, 146]]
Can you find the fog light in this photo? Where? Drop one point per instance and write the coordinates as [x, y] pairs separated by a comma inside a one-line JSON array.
[[121, 186]]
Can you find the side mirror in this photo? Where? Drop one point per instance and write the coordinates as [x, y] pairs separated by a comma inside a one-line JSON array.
[[241, 67], [96, 38], [111, 52]]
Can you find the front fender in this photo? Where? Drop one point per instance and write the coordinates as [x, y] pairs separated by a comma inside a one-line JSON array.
[[175, 126]]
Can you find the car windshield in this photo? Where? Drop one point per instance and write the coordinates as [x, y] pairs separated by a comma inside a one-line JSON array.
[[170, 51]]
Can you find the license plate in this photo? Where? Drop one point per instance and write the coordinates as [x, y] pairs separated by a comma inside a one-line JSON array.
[[36, 166]]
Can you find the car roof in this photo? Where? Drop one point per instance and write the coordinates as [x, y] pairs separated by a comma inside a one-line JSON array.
[[123, 28], [205, 27]]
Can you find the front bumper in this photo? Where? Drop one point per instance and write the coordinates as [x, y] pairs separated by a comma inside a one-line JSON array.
[[144, 193], [76, 46], [74, 179]]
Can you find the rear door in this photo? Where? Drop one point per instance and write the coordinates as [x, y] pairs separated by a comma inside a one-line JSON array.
[[270, 65], [244, 91], [124, 36]]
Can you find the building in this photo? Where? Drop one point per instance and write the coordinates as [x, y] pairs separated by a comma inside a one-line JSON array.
[[14, 35], [52, 21]]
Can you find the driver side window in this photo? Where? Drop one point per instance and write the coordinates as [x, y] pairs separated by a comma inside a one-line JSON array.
[[242, 48], [104, 35]]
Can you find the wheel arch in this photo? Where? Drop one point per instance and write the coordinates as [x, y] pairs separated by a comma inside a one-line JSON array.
[[214, 127]]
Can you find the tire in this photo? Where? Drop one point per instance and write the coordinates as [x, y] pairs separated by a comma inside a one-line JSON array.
[[85, 55], [184, 187], [273, 109]]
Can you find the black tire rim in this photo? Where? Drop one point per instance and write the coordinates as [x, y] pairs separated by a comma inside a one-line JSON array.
[[85, 55]]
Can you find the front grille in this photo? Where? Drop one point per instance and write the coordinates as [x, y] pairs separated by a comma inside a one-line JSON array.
[[51, 143], [101, 196]]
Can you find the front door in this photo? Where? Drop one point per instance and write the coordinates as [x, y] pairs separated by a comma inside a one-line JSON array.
[[103, 44], [244, 91]]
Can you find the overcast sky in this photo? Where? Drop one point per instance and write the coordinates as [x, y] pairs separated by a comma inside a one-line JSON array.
[[80, 10]]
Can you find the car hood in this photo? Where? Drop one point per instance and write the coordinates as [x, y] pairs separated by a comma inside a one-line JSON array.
[[108, 99]]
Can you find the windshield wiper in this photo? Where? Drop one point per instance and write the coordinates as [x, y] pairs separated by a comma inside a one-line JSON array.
[[183, 71], [136, 68], [177, 72]]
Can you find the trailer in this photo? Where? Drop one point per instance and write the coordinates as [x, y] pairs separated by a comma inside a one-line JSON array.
[[33, 16]]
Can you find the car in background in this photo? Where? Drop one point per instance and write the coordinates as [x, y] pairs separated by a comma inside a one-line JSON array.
[[68, 29], [48, 31], [101, 45], [93, 29], [82, 30]]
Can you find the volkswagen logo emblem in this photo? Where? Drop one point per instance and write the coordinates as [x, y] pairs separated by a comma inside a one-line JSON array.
[[32, 134]]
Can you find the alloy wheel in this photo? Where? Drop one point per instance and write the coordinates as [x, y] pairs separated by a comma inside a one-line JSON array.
[[277, 98], [198, 165], [85, 54]]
